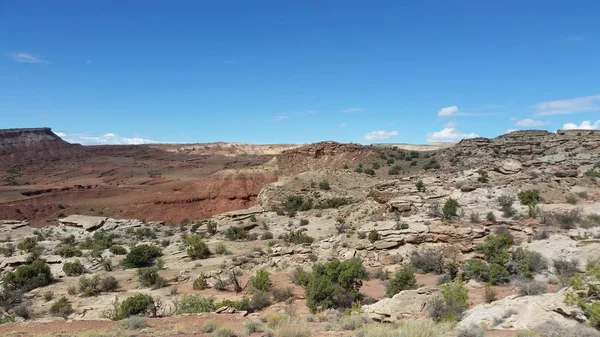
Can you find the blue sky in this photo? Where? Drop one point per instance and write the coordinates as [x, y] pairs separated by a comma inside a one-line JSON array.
[[298, 71]]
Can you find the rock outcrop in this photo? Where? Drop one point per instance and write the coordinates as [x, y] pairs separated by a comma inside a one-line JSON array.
[[408, 304], [36, 143]]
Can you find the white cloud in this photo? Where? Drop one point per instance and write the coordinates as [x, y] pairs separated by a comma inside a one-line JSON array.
[[450, 124], [25, 57], [585, 125], [449, 135], [351, 110], [528, 122], [281, 117], [342, 125], [511, 130], [567, 106], [448, 111], [380, 134], [106, 139]]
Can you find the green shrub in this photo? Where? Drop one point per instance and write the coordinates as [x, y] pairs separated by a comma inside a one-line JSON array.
[[28, 245], [145, 233], [452, 304], [529, 197], [304, 222], [506, 205], [137, 305], [526, 263], [108, 284], [281, 295], [117, 250], [68, 251], [565, 269], [394, 170], [74, 268], [334, 284], [235, 233], [266, 236], [149, 277], [252, 326], [571, 199], [333, 203], [61, 308], [324, 185], [369, 171], [431, 165], [373, 236], [141, 256], [192, 304], [585, 294], [495, 248], [420, 186], [200, 283], [297, 237], [477, 270], [100, 240], [195, 227], [196, 248], [211, 227], [28, 277], [243, 304], [261, 281], [89, 286], [428, 261], [403, 280], [221, 249], [490, 217], [450, 208]]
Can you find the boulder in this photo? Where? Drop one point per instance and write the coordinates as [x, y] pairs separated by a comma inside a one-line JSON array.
[[87, 222], [524, 312], [508, 166], [408, 304], [400, 205], [382, 245]]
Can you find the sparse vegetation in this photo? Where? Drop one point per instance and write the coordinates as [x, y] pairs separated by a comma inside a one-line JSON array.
[[450, 208], [196, 248], [427, 261], [74, 268], [61, 308], [297, 237], [141, 256], [403, 280], [193, 304]]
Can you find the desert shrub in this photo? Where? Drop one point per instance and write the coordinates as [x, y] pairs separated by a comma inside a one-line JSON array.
[[292, 329], [235, 233], [427, 261], [373, 235], [243, 304], [324, 185], [74, 268], [48, 295], [117, 250], [149, 277], [209, 327], [141, 256], [526, 263], [196, 248], [252, 326], [369, 171], [134, 323], [8, 250], [529, 197], [192, 304], [554, 329], [571, 199], [145, 233], [498, 273], [282, 294], [420, 186], [61, 308], [585, 294], [194, 227], [211, 227], [221, 249], [297, 237], [28, 277], [483, 176], [506, 205], [200, 283], [333, 203], [490, 294], [22, 310], [258, 300], [565, 269], [432, 165], [108, 284], [261, 281], [28, 245], [68, 251], [452, 303], [223, 332], [568, 219], [490, 217], [474, 217], [477, 270], [450, 208], [471, 331], [352, 322], [394, 170], [334, 284], [100, 240], [89, 286], [403, 280], [136, 305], [532, 288], [266, 236], [495, 247], [294, 204]]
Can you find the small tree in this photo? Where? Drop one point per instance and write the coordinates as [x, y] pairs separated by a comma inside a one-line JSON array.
[[373, 235], [404, 280], [420, 186], [260, 282], [450, 208], [196, 248], [452, 304]]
